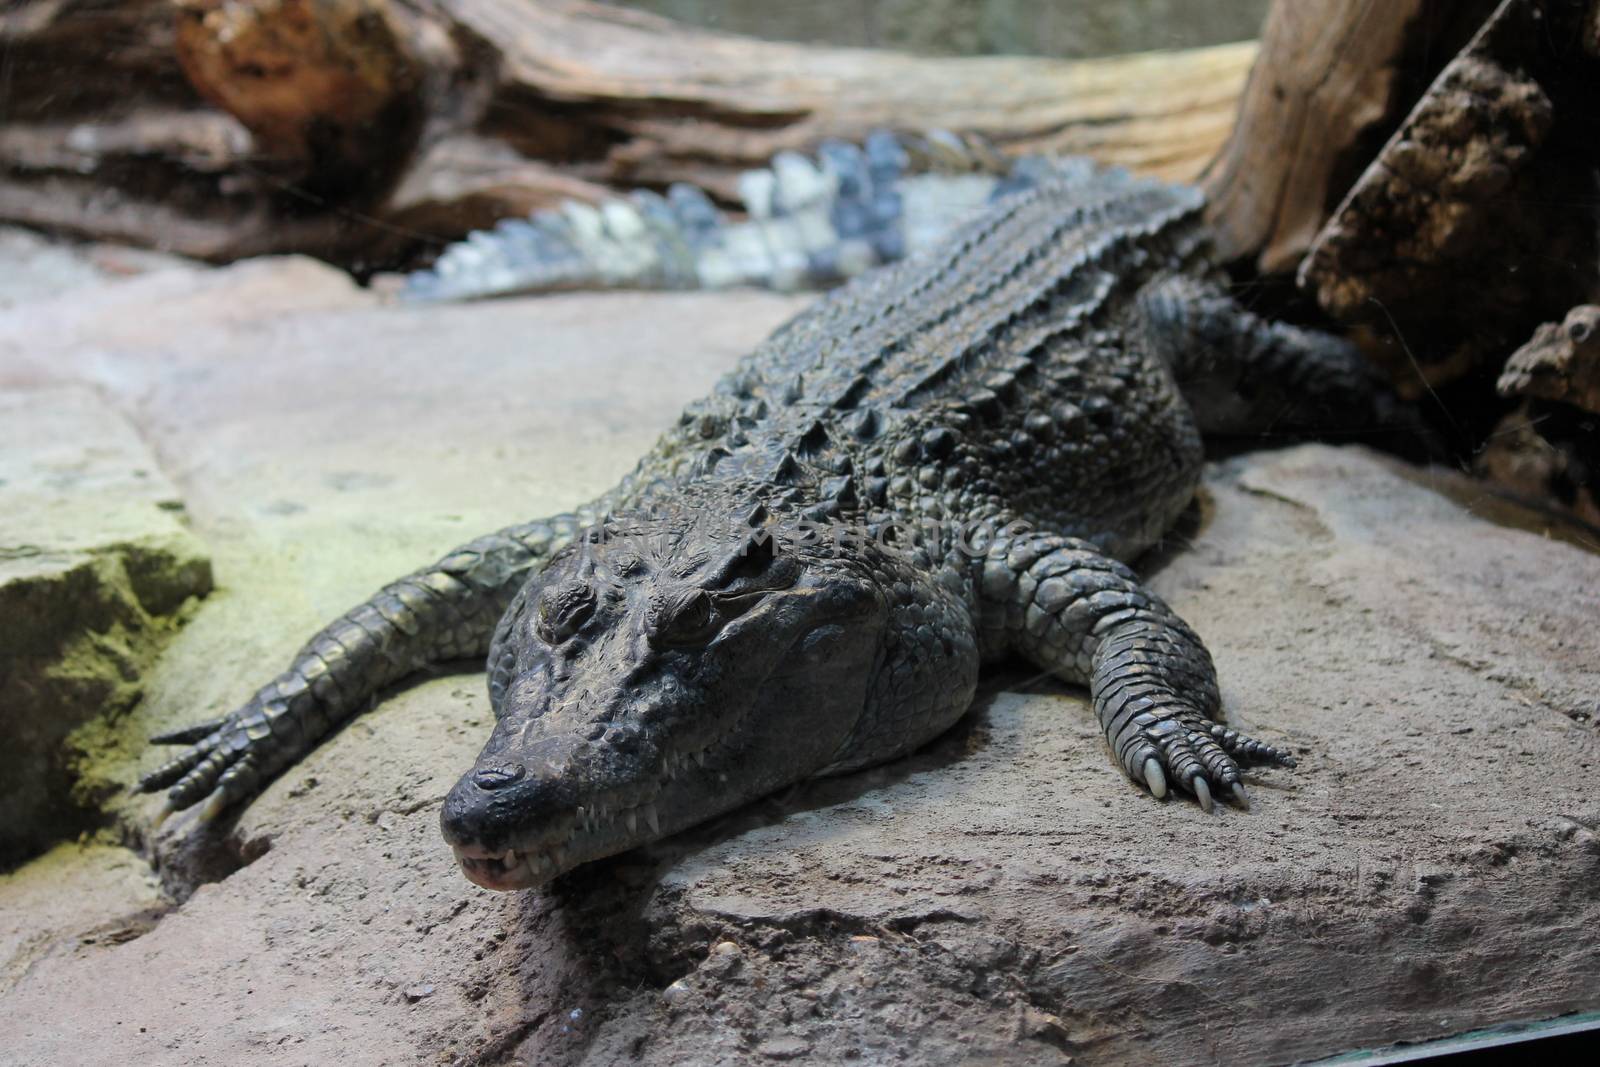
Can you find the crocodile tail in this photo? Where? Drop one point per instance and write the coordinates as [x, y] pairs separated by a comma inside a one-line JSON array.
[[809, 223]]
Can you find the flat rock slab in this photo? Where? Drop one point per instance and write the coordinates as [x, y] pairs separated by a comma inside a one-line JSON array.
[[1433, 865], [95, 565]]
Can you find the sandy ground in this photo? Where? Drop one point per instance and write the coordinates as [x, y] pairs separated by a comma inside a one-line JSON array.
[[1005, 895]]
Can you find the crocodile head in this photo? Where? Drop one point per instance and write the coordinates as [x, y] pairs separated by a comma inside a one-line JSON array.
[[652, 677]]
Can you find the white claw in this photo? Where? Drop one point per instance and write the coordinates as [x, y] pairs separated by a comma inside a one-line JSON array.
[[163, 815], [1202, 793], [651, 819], [1240, 796], [1154, 778]]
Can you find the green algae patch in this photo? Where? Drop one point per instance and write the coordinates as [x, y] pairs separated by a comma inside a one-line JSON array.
[[78, 641]]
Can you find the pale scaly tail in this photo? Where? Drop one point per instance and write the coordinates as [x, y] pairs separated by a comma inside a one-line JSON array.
[[810, 224]]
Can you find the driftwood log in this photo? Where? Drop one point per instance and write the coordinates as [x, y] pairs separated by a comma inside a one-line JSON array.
[[1333, 80], [1427, 172], [1469, 227], [363, 130]]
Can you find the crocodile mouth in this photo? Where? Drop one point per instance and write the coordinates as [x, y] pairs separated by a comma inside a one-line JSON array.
[[595, 830], [507, 869]]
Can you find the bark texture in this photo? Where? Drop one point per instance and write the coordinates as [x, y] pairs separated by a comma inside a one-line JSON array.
[[366, 131], [1427, 173], [1562, 362], [1467, 229], [1334, 78]]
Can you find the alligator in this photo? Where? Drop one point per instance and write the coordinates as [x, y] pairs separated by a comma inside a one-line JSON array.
[[948, 462]]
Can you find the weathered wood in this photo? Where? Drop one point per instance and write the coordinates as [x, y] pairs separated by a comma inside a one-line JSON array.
[[1333, 79], [325, 82], [667, 97], [526, 102], [1539, 455], [1464, 231], [1561, 362]]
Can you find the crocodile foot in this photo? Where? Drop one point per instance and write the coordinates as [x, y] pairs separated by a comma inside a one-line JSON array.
[[1199, 756], [225, 762]]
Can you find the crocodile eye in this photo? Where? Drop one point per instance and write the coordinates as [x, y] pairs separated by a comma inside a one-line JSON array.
[[563, 611], [691, 621], [1579, 331]]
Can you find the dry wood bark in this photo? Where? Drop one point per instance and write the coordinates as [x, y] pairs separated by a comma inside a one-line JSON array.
[[663, 95], [1561, 362], [1470, 226], [1334, 78], [328, 83], [1427, 172], [525, 103]]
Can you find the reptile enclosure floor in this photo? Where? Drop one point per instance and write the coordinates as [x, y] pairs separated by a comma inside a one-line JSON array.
[[1432, 866]]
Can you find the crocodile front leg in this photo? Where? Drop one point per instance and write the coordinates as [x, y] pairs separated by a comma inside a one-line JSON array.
[[446, 611], [1086, 618]]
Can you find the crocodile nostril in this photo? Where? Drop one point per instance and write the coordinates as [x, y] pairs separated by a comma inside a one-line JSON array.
[[498, 777]]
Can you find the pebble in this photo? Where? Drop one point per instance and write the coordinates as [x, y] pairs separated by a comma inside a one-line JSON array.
[[783, 1048]]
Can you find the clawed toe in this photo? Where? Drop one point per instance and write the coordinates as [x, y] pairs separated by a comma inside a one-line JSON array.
[[191, 734], [1245, 747], [170, 772], [219, 768], [1200, 757]]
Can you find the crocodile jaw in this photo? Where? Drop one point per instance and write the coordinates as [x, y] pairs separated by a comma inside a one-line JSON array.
[[596, 830], [506, 870]]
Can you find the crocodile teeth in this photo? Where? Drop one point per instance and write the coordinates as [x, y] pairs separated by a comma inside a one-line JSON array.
[[651, 819], [633, 821]]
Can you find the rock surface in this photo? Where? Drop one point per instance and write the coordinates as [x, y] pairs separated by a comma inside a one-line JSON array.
[[37, 267], [1005, 894], [95, 569]]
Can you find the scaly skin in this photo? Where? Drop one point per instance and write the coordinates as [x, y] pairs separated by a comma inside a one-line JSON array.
[[809, 224], [993, 427]]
